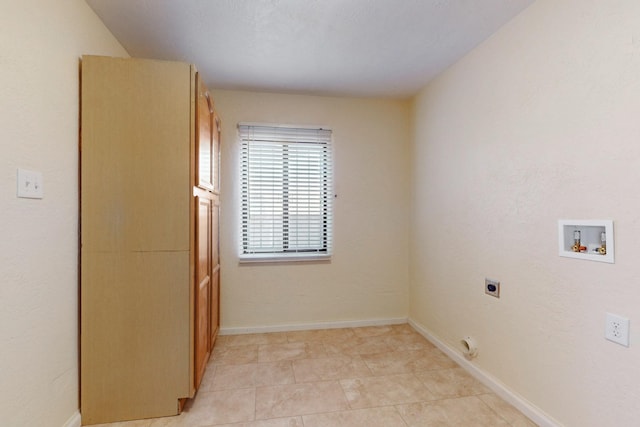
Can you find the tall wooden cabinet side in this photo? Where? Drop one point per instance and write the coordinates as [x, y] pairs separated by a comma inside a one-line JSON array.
[[136, 238]]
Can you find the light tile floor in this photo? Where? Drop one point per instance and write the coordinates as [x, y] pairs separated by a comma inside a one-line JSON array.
[[383, 376]]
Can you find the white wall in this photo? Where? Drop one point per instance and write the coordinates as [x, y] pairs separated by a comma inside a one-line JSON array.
[[539, 123], [368, 275], [40, 45]]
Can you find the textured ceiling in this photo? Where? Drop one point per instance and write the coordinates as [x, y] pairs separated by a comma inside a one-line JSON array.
[[388, 48]]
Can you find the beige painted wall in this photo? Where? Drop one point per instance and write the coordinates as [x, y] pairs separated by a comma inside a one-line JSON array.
[[40, 45], [539, 123], [368, 275]]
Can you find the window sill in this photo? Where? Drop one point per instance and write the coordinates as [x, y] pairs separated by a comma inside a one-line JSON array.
[[282, 258]]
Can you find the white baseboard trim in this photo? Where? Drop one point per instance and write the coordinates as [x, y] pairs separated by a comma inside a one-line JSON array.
[[312, 326], [534, 413], [74, 421]]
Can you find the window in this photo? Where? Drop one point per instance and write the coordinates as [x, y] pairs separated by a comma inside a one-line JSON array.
[[286, 192]]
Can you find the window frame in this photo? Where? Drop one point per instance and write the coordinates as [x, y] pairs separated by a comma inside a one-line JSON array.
[[321, 252]]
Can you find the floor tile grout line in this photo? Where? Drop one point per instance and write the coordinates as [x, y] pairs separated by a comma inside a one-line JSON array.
[[406, 423], [255, 403], [492, 409]]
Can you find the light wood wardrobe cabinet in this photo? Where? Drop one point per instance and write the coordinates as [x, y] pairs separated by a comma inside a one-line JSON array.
[[149, 264]]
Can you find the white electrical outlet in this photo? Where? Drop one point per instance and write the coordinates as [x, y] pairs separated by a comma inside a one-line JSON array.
[[617, 329]]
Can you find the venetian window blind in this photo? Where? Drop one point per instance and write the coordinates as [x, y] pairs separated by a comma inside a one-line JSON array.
[[287, 192]]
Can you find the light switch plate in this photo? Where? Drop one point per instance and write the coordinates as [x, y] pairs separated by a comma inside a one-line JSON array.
[[30, 184]]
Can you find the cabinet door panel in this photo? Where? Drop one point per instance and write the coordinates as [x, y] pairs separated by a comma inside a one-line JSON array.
[[215, 277], [216, 153], [215, 231], [205, 133], [203, 285], [215, 306]]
